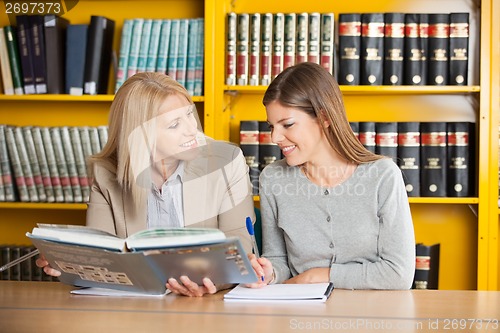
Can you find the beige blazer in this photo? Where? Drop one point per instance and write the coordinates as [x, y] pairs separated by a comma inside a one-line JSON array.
[[216, 194]]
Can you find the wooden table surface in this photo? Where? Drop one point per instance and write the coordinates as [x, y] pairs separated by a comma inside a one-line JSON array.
[[49, 307]]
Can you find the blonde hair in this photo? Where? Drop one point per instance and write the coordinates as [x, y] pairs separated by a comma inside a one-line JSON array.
[[312, 89], [136, 103]]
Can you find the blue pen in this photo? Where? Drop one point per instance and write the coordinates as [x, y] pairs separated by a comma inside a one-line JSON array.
[[254, 241]]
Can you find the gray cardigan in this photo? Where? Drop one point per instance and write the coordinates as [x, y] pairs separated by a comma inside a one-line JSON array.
[[362, 229]]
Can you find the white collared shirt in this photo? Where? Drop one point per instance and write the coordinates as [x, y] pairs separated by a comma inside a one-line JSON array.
[[165, 207]]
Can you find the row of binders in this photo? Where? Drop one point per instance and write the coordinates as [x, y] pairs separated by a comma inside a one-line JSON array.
[[436, 158], [174, 47], [26, 270], [45, 54], [47, 164], [359, 49]]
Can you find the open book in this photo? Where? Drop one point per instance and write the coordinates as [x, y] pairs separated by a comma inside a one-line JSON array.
[[144, 261]]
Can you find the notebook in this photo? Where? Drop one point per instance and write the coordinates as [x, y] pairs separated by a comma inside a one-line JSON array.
[[318, 292]]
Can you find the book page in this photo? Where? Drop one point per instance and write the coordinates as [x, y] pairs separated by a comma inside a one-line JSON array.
[[78, 235], [113, 292], [173, 237]]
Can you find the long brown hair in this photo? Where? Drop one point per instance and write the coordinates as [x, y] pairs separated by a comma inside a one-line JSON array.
[[312, 89], [136, 102]]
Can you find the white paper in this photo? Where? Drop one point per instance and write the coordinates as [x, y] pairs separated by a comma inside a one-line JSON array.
[[280, 292], [112, 292]]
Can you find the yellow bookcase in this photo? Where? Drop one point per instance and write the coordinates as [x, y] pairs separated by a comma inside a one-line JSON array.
[[467, 228], [65, 110], [463, 226]]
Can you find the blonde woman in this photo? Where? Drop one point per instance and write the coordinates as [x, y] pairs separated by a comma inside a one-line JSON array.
[[157, 169], [332, 211]]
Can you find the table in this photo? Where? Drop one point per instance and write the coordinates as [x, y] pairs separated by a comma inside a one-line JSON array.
[[49, 307]]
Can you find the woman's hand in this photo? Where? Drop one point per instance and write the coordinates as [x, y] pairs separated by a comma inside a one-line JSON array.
[[264, 270], [190, 288], [313, 275], [43, 263]]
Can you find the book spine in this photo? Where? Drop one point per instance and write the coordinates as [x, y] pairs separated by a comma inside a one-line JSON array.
[[8, 84], [17, 169], [81, 167], [386, 139], [355, 128], [426, 267], [200, 57], [372, 49], [161, 63], [327, 41], [459, 48], [182, 51], [55, 28], [249, 144], [26, 267], [191, 55], [2, 188], [55, 179], [412, 55], [266, 41], [5, 169], [254, 64], [415, 55], [26, 165], [433, 157], [268, 151], [242, 46], [367, 134], [278, 44], [289, 36], [154, 43], [123, 56], [61, 163], [135, 47], [5, 256], [314, 37], [459, 162], [394, 34], [33, 161], [144, 45], [14, 60], [231, 28], [173, 49], [70, 157], [38, 47], [25, 52], [106, 56], [438, 46], [94, 140], [102, 131], [409, 156], [93, 57], [87, 151], [15, 271], [302, 38], [76, 49], [349, 49], [43, 164]]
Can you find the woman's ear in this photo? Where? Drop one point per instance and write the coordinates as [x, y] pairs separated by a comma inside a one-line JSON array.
[[323, 119]]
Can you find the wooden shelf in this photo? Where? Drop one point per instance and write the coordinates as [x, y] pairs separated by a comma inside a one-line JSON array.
[[42, 205], [69, 98], [456, 201], [376, 90]]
